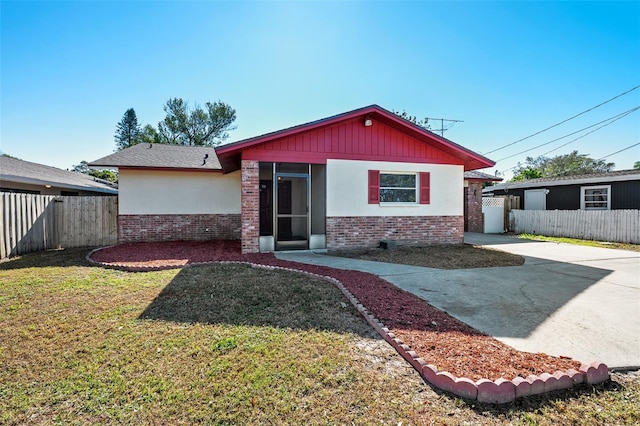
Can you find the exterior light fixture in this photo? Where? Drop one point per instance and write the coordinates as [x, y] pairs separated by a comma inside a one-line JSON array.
[[47, 186], [368, 122]]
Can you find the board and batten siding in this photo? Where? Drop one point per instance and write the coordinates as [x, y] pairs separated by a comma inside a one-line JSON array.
[[347, 189], [624, 195], [159, 192]]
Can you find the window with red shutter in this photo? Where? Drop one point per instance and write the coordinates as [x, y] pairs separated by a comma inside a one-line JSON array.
[[374, 186], [425, 188]]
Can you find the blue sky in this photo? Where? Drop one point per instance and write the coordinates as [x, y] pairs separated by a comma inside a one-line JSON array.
[[69, 70]]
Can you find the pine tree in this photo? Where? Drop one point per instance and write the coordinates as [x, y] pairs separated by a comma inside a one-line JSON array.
[[127, 130]]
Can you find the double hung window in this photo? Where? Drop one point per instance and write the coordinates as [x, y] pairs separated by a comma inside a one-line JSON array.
[[595, 197], [399, 187]]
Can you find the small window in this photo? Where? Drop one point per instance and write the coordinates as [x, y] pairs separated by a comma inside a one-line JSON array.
[[595, 197], [398, 188]]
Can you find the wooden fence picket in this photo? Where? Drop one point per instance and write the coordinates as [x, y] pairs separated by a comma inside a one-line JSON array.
[[602, 225], [31, 222]]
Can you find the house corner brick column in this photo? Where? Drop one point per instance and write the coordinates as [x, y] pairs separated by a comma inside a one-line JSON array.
[[475, 220], [250, 215]]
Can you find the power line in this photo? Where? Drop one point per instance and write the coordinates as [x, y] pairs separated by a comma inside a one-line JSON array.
[[618, 152], [594, 130], [599, 159], [610, 121], [561, 173], [562, 122]]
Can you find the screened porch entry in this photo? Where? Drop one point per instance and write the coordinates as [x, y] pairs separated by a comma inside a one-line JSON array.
[[292, 206]]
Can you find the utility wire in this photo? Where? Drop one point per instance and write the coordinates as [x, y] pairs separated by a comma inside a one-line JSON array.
[[588, 133], [566, 170], [562, 173], [618, 152], [610, 120], [562, 122]]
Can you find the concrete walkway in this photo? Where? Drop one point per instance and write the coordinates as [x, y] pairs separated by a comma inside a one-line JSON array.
[[581, 302]]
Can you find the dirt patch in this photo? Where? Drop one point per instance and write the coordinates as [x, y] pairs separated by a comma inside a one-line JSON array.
[[441, 257], [434, 335]]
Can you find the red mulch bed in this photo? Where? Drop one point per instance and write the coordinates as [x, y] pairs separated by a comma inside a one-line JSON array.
[[434, 335]]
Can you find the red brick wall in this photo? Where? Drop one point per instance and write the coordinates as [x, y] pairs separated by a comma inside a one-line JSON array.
[[473, 202], [173, 227], [368, 231], [250, 206]]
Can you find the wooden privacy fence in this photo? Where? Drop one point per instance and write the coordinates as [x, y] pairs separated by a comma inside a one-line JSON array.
[[621, 226], [32, 222], [511, 202]]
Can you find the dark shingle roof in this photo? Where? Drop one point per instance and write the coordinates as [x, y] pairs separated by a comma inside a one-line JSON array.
[[15, 170], [163, 157], [614, 176]]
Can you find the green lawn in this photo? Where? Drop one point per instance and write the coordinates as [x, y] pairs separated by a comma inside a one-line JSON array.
[[224, 345], [590, 243]]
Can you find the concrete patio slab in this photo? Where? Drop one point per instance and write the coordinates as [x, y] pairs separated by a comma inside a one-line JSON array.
[[566, 300]]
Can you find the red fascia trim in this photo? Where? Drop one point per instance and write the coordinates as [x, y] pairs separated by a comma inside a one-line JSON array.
[[172, 169], [471, 160], [462, 152]]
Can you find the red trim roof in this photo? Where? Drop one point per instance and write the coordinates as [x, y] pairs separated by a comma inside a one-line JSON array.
[[229, 154]]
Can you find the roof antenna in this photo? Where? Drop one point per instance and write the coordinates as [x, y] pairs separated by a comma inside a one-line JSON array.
[[205, 159], [150, 145]]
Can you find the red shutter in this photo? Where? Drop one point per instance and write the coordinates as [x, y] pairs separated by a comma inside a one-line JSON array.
[[374, 186], [425, 188]]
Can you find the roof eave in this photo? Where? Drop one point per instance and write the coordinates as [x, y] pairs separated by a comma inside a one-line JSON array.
[[471, 160], [40, 182]]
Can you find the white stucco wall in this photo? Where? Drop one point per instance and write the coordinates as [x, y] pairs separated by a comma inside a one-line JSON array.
[[178, 192], [347, 189]]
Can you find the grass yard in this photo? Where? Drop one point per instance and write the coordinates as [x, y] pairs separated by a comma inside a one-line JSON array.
[[590, 243], [225, 344]]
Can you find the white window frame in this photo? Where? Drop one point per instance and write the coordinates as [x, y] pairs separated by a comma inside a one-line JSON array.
[[416, 189], [583, 201]]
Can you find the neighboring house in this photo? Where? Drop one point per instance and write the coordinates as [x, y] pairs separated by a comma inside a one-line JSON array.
[[601, 191], [351, 180], [473, 180], [32, 178]]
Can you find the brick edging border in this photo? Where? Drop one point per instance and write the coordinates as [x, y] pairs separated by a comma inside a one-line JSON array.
[[500, 391]]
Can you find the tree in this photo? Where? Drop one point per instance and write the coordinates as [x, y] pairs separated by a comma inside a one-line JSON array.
[[636, 165], [560, 165], [149, 134], [527, 173], [104, 174], [127, 130], [197, 126]]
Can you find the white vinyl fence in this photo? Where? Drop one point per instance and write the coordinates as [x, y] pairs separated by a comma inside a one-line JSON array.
[[30, 222], [493, 211], [621, 226]]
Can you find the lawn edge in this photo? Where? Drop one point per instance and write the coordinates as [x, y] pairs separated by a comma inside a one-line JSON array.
[[499, 391]]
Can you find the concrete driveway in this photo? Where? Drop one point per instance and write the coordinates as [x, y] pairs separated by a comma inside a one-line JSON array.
[[581, 302]]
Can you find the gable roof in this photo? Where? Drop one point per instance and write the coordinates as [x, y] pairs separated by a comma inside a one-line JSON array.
[[476, 175], [161, 156], [470, 159], [20, 171], [594, 178]]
